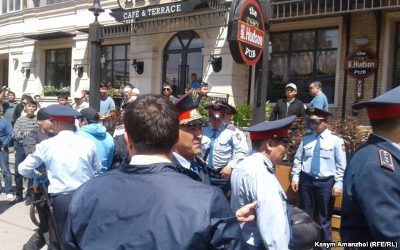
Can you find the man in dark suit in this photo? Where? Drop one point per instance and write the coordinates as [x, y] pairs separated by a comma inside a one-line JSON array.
[[371, 189]]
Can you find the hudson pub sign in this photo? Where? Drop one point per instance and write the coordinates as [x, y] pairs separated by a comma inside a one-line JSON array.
[[246, 31], [361, 63]]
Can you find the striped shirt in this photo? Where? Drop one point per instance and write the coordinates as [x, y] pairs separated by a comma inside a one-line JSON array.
[[23, 126]]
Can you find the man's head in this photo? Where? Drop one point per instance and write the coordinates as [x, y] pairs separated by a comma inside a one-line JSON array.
[[384, 114], [216, 113], [103, 90], [85, 93], [151, 124], [203, 89], [193, 77], [228, 114], [11, 96], [62, 99], [37, 98], [30, 108], [318, 119], [315, 88], [78, 98], [45, 122], [135, 93], [127, 93], [88, 116], [166, 90], [63, 117], [291, 91], [271, 138], [190, 126]]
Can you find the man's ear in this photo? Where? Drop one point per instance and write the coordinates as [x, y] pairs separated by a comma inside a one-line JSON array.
[[129, 144]]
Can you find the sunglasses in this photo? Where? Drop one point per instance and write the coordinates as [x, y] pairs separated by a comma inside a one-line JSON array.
[[166, 89]]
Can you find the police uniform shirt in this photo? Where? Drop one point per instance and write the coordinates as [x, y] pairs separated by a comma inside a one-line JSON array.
[[254, 179], [371, 193], [332, 157], [71, 160], [230, 145]]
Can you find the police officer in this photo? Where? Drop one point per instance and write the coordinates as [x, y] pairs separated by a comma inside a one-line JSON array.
[[222, 146], [318, 170], [371, 188], [254, 179], [188, 147], [70, 161]]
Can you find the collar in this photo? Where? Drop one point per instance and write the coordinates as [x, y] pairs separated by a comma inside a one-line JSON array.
[[178, 159], [323, 134], [267, 162], [147, 160], [385, 144], [294, 99]]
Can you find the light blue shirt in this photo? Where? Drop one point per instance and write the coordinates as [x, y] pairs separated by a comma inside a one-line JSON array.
[[332, 157], [254, 179], [230, 145], [106, 106], [70, 161], [319, 101], [178, 159]]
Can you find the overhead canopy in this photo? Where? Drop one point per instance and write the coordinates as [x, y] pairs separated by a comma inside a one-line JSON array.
[[48, 36]]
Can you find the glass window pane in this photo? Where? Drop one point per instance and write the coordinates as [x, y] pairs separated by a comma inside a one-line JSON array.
[[50, 75], [396, 80], [328, 38], [119, 73], [197, 42], [10, 5], [279, 67], [303, 40], [280, 42], [61, 55], [195, 62], [107, 52], [119, 52], [17, 4], [106, 74], [173, 62], [4, 6], [301, 64], [326, 63], [174, 44]]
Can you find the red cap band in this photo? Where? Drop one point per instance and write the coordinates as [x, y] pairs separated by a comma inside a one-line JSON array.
[[185, 115], [63, 118], [216, 111], [274, 134], [384, 112]]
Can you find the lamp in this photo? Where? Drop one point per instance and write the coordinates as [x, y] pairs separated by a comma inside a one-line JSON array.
[[216, 63], [78, 70], [362, 40], [102, 60], [96, 9], [15, 61], [26, 72], [138, 66]]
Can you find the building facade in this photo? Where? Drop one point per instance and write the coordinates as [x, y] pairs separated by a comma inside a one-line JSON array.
[[44, 45]]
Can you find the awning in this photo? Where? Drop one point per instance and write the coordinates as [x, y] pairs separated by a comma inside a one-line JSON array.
[[48, 36]]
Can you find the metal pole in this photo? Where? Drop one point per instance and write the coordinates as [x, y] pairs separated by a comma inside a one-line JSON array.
[[95, 51]]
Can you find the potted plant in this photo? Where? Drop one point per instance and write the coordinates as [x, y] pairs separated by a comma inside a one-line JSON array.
[[49, 91]]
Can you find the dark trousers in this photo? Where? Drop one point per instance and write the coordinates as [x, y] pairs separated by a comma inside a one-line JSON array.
[[316, 198], [60, 210], [5, 168], [19, 157]]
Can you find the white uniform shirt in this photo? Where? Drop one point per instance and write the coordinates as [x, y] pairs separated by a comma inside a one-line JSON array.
[[332, 155], [254, 179], [230, 145], [70, 161]]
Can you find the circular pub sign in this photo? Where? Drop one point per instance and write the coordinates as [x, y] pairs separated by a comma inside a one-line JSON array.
[[246, 32], [361, 63]]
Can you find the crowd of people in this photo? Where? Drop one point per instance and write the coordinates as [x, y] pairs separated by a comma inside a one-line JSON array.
[[169, 179]]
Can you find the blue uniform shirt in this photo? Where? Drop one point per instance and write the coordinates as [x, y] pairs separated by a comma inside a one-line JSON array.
[[230, 145], [332, 161], [254, 179]]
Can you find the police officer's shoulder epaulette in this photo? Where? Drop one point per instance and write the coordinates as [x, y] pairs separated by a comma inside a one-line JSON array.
[[386, 160], [230, 127]]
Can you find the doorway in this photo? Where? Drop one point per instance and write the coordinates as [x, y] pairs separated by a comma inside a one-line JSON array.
[[182, 57]]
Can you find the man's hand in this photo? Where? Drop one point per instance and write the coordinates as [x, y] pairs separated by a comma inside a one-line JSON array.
[[336, 192], [247, 212], [226, 173], [295, 186]]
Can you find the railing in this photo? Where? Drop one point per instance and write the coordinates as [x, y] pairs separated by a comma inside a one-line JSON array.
[[283, 10], [215, 96]]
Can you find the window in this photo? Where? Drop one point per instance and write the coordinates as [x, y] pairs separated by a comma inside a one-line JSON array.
[[302, 57], [10, 6], [115, 65], [396, 65], [58, 68]]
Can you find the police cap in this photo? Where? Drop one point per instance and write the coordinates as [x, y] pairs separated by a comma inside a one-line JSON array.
[[187, 107], [217, 109], [232, 110], [62, 113], [42, 115], [278, 129], [385, 106], [317, 114]]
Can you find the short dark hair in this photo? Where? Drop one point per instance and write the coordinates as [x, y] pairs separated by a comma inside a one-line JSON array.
[[194, 74], [385, 124], [85, 91], [28, 98], [31, 103], [36, 96], [256, 144], [10, 92], [152, 123], [203, 84], [317, 84], [62, 96]]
